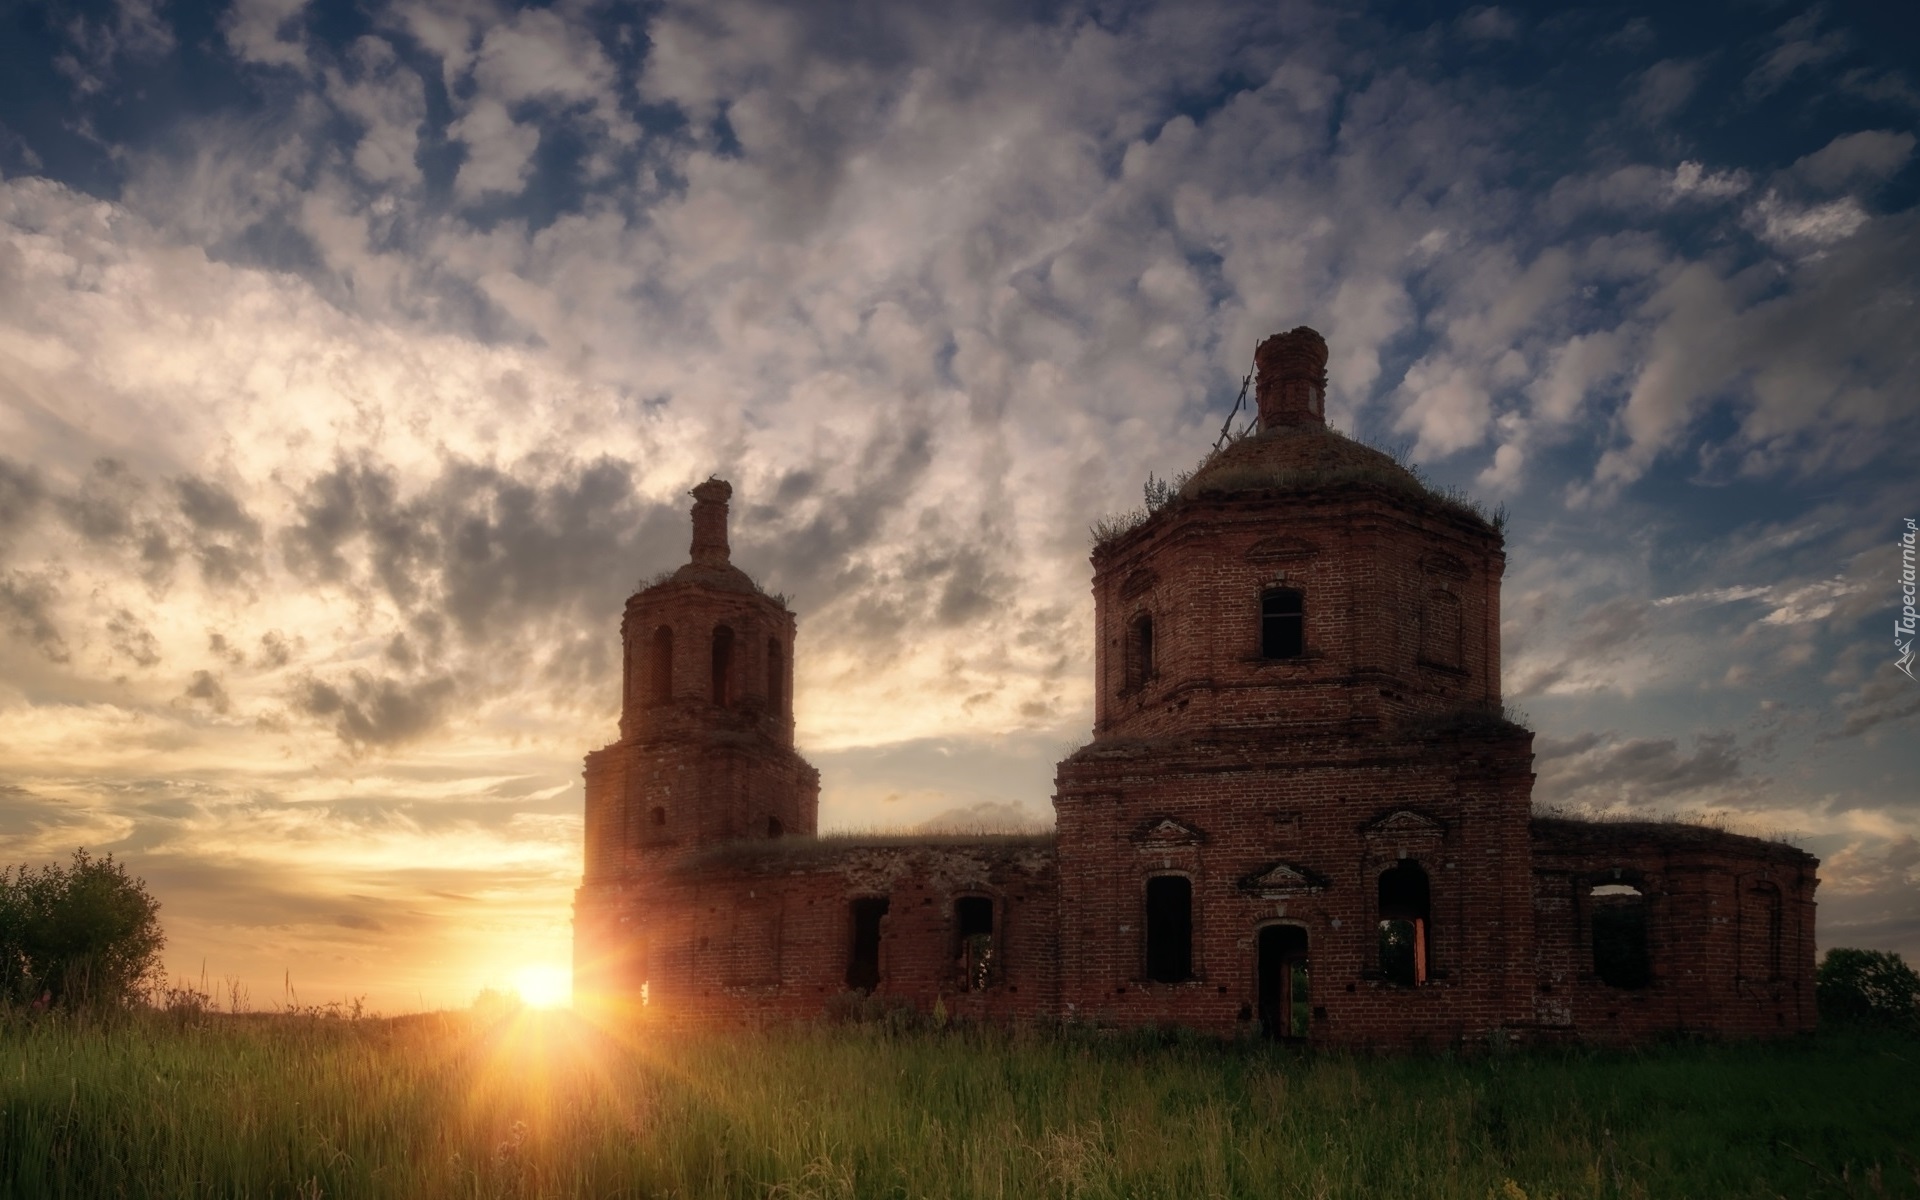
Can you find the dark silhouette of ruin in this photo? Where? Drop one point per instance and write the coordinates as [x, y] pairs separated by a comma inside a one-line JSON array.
[[1302, 813]]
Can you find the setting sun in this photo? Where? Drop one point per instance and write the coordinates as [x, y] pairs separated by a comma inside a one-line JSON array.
[[544, 986]]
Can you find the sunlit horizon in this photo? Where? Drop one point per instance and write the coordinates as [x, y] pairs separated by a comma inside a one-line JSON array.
[[356, 361]]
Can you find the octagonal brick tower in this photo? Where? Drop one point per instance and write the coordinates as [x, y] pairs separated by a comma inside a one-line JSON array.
[[1299, 577], [1297, 692], [705, 753]]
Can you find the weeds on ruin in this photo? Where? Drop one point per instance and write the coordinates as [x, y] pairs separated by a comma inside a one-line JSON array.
[[1681, 826], [797, 849], [663, 576], [1400, 475], [1472, 720]]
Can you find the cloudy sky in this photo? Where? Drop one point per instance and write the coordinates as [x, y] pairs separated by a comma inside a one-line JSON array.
[[356, 358]]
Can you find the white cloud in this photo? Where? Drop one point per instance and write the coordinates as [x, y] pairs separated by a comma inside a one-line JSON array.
[[1813, 602], [1663, 89], [1448, 409], [1786, 225], [390, 103], [257, 31], [1690, 179], [541, 54], [1868, 156], [1489, 23], [1799, 45], [1577, 368], [136, 30], [499, 150]]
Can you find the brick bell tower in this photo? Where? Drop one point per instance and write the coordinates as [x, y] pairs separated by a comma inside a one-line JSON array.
[[705, 753], [1300, 796]]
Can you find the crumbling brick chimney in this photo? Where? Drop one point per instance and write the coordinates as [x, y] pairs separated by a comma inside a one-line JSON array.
[[710, 520], [1291, 387]]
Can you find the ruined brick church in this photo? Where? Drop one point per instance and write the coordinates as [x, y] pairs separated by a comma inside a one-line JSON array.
[[1302, 813]]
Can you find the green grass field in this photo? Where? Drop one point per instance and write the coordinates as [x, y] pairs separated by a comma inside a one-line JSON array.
[[542, 1105]]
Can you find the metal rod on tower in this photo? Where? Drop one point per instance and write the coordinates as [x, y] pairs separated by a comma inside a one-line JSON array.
[[1226, 427]]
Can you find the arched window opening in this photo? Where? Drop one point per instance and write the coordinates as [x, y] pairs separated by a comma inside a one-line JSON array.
[[1440, 630], [1619, 927], [658, 817], [660, 670], [1169, 928], [1140, 651], [775, 828], [863, 957], [1405, 906], [973, 927], [1283, 624], [776, 678], [722, 665]]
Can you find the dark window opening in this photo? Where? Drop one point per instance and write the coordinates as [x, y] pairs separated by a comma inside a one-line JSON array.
[[1620, 955], [775, 828], [973, 925], [1140, 651], [863, 958], [1282, 978], [776, 678], [1169, 928], [661, 669], [722, 664], [658, 816], [1283, 624], [1440, 630], [1405, 903]]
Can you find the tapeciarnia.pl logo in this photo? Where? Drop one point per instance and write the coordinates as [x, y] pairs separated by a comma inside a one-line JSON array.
[[1903, 625]]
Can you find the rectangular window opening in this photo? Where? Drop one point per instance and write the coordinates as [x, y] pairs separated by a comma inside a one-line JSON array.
[[1169, 928], [1282, 624], [1620, 954]]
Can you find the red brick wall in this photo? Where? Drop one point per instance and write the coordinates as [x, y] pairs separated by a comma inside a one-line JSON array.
[[1712, 947], [1366, 563], [749, 937], [693, 610], [1339, 812], [1281, 789]]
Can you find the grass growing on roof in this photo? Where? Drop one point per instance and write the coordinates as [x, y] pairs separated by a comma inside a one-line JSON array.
[[800, 850], [1352, 463], [454, 1105]]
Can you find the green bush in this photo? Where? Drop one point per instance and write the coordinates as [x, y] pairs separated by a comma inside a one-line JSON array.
[[1868, 986], [85, 935]]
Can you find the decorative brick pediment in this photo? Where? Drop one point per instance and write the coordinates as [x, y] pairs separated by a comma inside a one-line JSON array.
[[1445, 565], [1405, 823], [1165, 831], [1138, 584], [1283, 879], [1281, 549]]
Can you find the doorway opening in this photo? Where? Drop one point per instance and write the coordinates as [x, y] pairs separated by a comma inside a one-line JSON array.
[[973, 925], [863, 958], [1286, 1003]]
